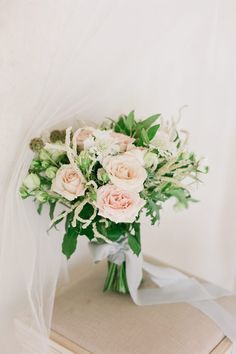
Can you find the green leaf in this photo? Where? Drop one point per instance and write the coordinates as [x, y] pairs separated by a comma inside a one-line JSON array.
[[147, 123], [87, 211], [88, 232], [69, 219], [51, 209], [69, 242], [153, 210], [130, 122], [134, 241], [120, 126], [144, 137], [39, 208], [113, 232], [180, 195], [136, 226], [152, 131], [46, 182], [134, 244]]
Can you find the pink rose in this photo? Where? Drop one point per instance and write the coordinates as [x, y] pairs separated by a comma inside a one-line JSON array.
[[69, 183], [123, 140], [118, 205], [125, 172], [81, 135]]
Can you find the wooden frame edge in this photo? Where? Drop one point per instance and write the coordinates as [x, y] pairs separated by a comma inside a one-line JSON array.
[[72, 347], [224, 347]]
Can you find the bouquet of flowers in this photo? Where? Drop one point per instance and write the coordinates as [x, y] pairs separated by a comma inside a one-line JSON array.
[[105, 177]]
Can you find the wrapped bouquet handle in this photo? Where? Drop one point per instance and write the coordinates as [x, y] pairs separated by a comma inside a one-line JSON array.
[[173, 286]]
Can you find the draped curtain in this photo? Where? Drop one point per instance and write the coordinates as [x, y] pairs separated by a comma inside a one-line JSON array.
[[93, 59]]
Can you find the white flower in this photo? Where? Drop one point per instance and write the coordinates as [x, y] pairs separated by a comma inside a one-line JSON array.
[[125, 142], [118, 205], [125, 172], [31, 181], [102, 144], [81, 135], [69, 183], [151, 160], [163, 143], [164, 138]]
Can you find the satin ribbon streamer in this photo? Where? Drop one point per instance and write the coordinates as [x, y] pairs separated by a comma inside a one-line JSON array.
[[174, 286]]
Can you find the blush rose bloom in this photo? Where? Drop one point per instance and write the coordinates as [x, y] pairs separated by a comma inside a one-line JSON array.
[[69, 183], [125, 172], [118, 205], [138, 153], [124, 141], [81, 135]]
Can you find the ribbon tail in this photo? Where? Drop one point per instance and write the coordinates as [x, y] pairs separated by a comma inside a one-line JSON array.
[[175, 287]]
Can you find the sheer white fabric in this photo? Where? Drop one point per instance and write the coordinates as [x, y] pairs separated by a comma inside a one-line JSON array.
[[67, 58]]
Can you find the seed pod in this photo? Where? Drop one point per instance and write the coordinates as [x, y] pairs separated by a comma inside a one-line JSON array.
[[36, 144]]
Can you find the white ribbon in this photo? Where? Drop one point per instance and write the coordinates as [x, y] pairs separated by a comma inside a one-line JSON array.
[[174, 286]]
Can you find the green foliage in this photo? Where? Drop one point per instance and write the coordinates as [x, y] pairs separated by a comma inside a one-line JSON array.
[[145, 132], [113, 232], [52, 206], [130, 122], [70, 238], [36, 166], [87, 211], [142, 131], [45, 182], [152, 131], [24, 192], [181, 195], [84, 161], [88, 232], [153, 210], [134, 240], [39, 208], [120, 126], [148, 122], [69, 242]]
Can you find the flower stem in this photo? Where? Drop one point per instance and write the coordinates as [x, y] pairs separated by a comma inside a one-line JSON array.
[[116, 278]]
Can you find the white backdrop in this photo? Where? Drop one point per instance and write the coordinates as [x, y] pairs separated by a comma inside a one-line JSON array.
[[100, 58]]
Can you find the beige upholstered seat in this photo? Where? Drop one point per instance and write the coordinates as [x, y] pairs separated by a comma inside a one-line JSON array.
[[109, 323]]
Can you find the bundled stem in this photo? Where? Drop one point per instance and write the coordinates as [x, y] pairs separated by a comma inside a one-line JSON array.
[[116, 278]]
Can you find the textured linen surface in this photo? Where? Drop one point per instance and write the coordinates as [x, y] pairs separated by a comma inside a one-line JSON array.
[[111, 323], [62, 59]]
